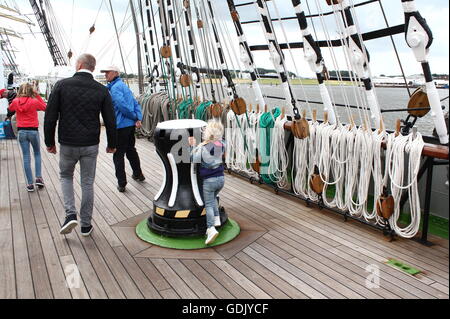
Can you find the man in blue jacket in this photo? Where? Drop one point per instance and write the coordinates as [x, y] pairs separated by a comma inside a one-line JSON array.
[[128, 117]]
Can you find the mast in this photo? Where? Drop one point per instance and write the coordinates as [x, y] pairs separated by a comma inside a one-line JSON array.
[[58, 58]]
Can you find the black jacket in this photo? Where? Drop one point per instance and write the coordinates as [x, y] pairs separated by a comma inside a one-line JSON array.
[[11, 96], [77, 103]]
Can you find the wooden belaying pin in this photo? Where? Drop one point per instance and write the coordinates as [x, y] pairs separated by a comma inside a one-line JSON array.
[[257, 108], [398, 126], [325, 117], [266, 108]]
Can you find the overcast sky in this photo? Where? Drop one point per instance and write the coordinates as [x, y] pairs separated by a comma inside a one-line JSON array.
[[76, 17]]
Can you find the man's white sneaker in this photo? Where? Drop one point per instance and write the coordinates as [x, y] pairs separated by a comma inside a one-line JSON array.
[[217, 221], [212, 234]]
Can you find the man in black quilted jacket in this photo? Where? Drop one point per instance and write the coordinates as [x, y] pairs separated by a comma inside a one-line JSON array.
[[76, 103]]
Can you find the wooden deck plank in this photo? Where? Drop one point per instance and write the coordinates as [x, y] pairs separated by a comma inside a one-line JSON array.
[[80, 291], [41, 280], [336, 267], [245, 283], [286, 275], [153, 274], [287, 206], [272, 277], [175, 281], [213, 285], [331, 279], [345, 240], [7, 273], [298, 273], [343, 257], [140, 279], [257, 279], [224, 280], [190, 279]]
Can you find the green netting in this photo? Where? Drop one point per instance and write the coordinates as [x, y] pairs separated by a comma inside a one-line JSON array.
[[227, 233]]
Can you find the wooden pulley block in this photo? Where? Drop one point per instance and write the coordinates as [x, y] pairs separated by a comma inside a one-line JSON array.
[[70, 54], [185, 80], [385, 206], [166, 52], [325, 73], [300, 128], [316, 182], [235, 16], [419, 99], [238, 106], [331, 2], [216, 110], [187, 3], [256, 165], [92, 29], [200, 24]]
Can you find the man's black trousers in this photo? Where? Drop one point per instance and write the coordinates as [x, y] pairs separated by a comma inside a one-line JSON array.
[[126, 146]]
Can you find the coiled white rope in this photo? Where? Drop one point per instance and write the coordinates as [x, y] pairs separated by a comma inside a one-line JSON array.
[[279, 158], [412, 146]]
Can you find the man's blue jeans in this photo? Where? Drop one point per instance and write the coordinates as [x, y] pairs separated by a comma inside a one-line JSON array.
[[211, 188], [25, 139]]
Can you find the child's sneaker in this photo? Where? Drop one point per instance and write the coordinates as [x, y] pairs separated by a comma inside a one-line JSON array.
[[30, 188], [212, 234], [40, 183]]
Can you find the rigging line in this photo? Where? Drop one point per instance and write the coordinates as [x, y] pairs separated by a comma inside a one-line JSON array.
[[396, 51], [362, 69], [292, 56], [217, 61], [144, 38], [335, 63], [246, 53], [366, 57], [153, 30], [187, 44], [223, 26], [231, 50], [354, 81], [357, 77], [277, 56], [192, 47], [205, 50], [118, 39], [313, 56]]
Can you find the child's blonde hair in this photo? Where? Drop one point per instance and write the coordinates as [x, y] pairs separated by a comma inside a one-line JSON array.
[[26, 90], [213, 132]]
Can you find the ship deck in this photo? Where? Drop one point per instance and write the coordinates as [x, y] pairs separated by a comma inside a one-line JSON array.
[[285, 249]]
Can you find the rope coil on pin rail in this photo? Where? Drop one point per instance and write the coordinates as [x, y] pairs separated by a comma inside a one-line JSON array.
[[419, 38]]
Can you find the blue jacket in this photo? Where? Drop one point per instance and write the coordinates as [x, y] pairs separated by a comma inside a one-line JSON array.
[[127, 109]]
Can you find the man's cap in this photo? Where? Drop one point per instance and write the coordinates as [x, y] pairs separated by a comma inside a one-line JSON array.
[[110, 68]]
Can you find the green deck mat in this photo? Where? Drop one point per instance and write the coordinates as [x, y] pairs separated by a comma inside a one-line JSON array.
[[227, 233], [403, 267]]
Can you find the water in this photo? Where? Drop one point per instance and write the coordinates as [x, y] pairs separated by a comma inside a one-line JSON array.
[[389, 98]]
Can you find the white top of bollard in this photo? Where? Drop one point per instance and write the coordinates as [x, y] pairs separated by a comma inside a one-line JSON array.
[[181, 124]]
